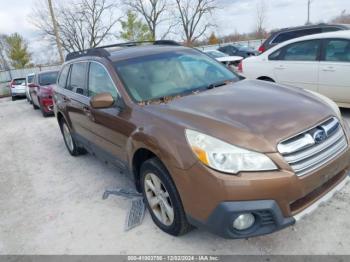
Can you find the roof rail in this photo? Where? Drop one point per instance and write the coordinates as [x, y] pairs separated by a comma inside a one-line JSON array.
[[102, 52]]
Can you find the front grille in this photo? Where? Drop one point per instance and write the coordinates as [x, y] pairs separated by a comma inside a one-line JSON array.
[[315, 147]]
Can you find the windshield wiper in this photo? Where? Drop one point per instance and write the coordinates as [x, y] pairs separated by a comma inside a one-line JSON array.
[[218, 84]]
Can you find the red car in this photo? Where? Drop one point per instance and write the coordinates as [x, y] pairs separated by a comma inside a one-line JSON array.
[[41, 91]]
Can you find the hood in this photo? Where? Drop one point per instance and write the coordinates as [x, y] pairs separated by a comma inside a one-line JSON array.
[[253, 114]]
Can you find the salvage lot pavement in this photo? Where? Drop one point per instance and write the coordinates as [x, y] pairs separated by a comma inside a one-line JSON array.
[[51, 203]]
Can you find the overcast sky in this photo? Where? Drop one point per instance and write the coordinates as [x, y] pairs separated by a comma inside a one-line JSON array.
[[232, 15]]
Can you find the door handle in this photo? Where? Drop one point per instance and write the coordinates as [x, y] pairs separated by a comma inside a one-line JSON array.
[[87, 110], [328, 69], [66, 99], [281, 67]]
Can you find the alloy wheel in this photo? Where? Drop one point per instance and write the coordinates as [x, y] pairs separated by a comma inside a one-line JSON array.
[[68, 137], [158, 199]]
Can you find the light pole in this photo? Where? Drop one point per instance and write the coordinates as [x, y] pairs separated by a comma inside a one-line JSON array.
[[308, 11], [55, 29]]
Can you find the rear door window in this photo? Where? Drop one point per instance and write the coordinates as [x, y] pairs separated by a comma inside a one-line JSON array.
[[77, 78], [302, 51], [337, 50]]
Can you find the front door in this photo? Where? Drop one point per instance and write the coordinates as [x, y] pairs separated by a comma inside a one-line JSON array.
[[298, 65], [334, 79], [110, 126]]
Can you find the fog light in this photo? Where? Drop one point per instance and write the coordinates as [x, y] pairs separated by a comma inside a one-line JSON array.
[[244, 221]]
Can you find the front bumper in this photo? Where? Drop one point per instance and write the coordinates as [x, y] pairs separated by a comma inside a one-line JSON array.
[[268, 216], [212, 200], [268, 219]]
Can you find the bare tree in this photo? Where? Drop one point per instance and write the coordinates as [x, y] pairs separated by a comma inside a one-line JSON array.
[[343, 18], [261, 9], [193, 18], [82, 25], [153, 12]]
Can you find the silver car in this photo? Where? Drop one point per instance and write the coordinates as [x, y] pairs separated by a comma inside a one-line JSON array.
[[29, 82], [18, 88]]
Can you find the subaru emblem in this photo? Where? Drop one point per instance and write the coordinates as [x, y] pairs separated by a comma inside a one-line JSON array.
[[319, 136]]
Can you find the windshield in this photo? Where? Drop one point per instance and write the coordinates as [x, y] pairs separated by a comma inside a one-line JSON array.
[[171, 74], [216, 54], [48, 78], [30, 79]]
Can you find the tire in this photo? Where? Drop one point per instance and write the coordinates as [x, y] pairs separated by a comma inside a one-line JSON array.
[[35, 107], [13, 98], [175, 222], [69, 141], [45, 114]]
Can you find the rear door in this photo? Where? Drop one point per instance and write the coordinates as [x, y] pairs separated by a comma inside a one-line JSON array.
[[297, 64], [76, 101], [334, 79]]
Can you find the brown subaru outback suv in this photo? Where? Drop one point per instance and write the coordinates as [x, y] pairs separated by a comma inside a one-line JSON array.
[[238, 158]]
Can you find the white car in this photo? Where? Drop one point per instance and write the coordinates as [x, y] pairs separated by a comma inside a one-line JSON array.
[[320, 63], [18, 88], [29, 81], [224, 58]]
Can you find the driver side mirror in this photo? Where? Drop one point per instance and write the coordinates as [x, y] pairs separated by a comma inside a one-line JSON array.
[[103, 100]]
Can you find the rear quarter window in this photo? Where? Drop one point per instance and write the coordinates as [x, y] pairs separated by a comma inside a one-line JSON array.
[[62, 80]]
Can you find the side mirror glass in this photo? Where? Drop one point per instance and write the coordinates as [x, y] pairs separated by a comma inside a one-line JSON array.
[[103, 100]]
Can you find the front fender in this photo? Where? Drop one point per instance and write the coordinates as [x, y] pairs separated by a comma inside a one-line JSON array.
[[167, 144]]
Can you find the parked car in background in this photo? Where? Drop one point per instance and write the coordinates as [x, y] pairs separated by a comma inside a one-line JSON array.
[[319, 63], [29, 84], [286, 34], [224, 58], [18, 88], [237, 158], [41, 93], [238, 50]]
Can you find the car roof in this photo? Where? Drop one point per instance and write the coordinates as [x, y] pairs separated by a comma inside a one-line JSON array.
[[290, 29], [337, 34], [124, 53]]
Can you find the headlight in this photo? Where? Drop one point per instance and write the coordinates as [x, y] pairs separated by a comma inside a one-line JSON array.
[[224, 157], [328, 101]]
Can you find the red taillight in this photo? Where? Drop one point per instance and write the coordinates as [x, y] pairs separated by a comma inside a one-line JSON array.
[[262, 49], [240, 67], [12, 84]]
